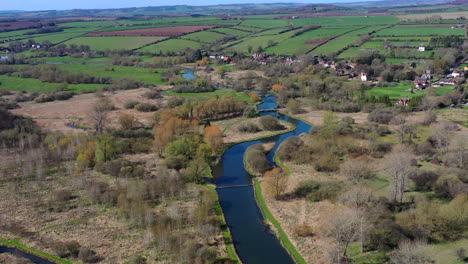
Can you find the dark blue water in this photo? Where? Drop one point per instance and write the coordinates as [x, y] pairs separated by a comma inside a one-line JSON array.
[[19, 253], [189, 75], [253, 241]]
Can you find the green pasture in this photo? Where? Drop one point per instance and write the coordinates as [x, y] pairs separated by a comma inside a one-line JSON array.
[[419, 31], [346, 20], [171, 45], [114, 42], [204, 36], [12, 83], [231, 31], [401, 91], [265, 23]]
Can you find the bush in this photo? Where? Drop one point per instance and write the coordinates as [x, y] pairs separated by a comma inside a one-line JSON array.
[[318, 191], [175, 162], [153, 94], [67, 249], [268, 122], [145, 107], [175, 101], [248, 127], [424, 179], [303, 230], [256, 159], [289, 148], [381, 115], [130, 104], [250, 112], [87, 255]]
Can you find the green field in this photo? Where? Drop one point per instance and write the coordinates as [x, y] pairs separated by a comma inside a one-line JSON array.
[[171, 45], [419, 31], [204, 36], [400, 91], [297, 45], [231, 31], [35, 85], [265, 23], [114, 43], [346, 20], [260, 41], [147, 75]]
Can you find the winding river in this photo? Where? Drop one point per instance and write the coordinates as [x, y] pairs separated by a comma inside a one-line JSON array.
[[253, 241]]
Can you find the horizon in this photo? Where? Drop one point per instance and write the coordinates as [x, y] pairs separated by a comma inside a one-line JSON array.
[[58, 5]]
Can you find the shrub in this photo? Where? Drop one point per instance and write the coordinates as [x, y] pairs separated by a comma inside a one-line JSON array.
[[175, 101], [381, 115], [293, 106], [87, 255], [424, 179], [318, 191], [130, 104], [303, 230], [256, 159], [153, 94], [175, 162], [145, 107], [67, 249], [250, 112], [356, 170], [449, 186], [248, 127], [268, 122], [289, 148]]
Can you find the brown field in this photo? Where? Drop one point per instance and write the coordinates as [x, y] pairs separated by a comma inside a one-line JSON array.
[[165, 31], [55, 115], [10, 26]]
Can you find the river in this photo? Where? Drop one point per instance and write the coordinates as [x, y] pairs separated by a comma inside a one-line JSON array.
[[253, 241], [22, 254]]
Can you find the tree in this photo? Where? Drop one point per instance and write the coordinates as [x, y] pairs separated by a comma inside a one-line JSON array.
[[182, 146], [277, 87], [409, 252], [356, 170], [169, 127], [276, 181], [106, 149], [343, 227], [127, 121], [213, 137], [196, 169], [254, 97], [398, 167], [221, 71], [329, 126], [99, 114], [293, 106]]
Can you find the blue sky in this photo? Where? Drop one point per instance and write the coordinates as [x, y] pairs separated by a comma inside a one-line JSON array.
[[30, 5]]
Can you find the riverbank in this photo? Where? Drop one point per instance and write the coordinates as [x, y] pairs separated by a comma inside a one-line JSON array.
[[15, 243]]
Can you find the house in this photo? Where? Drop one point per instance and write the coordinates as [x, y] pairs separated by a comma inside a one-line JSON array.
[[447, 81], [421, 48], [403, 101], [363, 77], [455, 74], [258, 55]]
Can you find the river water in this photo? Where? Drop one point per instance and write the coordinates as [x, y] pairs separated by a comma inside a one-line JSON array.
[[253, 241], [22, 254]]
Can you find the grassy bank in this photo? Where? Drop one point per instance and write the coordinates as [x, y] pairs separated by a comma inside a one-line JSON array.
[[14, 243]]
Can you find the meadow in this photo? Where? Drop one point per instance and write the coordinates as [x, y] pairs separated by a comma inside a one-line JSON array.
[[401, 91], [171, 45], [204, 36], [118, 42], [419, 31], [34, 85]]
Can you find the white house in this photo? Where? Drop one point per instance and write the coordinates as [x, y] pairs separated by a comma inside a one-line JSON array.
[[363, 77], [421, 48], [455, 74]]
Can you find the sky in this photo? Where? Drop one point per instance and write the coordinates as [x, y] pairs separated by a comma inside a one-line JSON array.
[[33, 5]]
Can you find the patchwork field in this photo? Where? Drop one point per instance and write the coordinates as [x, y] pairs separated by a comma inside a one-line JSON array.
[[163, 31], [118, 42]]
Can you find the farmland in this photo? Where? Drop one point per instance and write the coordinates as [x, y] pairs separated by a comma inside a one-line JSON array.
[[171, 45], [118, 42], [163, 31]]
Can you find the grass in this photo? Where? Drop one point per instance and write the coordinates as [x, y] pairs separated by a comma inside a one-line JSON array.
[[171, 45], [34, 85], [264, 23], [444, 253], [231, 251], [419, 31], [269, 217], [204, 36], [147, 75], [231, 31], [217, 93], [346, 20], [260, 41], [15, 243], [400, 91], [371, 257], [67, 59], [114, 42], [297, 45]]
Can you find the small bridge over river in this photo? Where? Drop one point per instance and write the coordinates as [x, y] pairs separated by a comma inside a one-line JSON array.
[[233, 186]]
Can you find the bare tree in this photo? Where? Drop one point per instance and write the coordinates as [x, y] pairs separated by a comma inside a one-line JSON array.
[[356, 170], [343, 228], [99, 114], [277, 181], [398, 167], [410, 252]]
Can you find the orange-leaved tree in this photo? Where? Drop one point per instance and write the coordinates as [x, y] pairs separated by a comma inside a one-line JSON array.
[[277, 87], [213, 137], [168, 128], [254, 97]]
